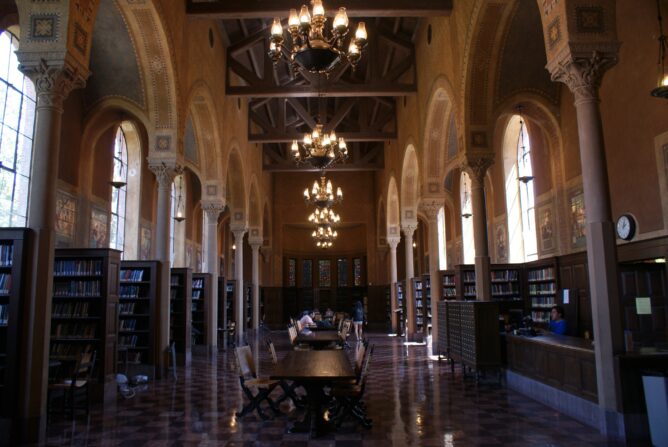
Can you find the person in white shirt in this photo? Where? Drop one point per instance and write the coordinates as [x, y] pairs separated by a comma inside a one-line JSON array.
[[305, 321]]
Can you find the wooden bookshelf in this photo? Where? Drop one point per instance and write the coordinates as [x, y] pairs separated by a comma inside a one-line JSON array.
[[137, 311], [12, 293], [448, 285], [388, 308], [401, 307], [180, 313], [506, 286], [419, 312], [465, 281], [230, 305], [201, 297], [426, 294], [542, 287], [84, 314]]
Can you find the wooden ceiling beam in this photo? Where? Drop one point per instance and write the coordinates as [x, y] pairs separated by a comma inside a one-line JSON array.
[[259, 9], [308, 91]]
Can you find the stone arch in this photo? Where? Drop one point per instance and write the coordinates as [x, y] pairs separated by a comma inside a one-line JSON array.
[[202, 110], [154, 49], [393, 210], [410, 187], [442, 116], [236, 188], [254, 211]]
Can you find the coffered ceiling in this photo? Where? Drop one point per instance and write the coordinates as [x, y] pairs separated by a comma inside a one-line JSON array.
[[360, 105]]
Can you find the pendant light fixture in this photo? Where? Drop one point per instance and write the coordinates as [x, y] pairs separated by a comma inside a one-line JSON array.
[[120, 174], [179, 213], [661, 90], [522, 149]]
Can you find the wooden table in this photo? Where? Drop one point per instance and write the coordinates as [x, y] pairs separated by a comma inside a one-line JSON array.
[[314, 370], [318, 339]]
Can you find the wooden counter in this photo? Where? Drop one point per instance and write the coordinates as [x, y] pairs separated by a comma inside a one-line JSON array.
[[563, 362]]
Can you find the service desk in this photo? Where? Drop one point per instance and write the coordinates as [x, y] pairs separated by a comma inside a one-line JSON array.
[[560, 361]]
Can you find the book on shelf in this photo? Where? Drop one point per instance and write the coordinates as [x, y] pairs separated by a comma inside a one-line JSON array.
[[547, 288], [540, 316], [544, 274], [78, 309], [132, 275], [78, 267], [74, 331], [6, 255], [76, 289], [127, 308], [69, 350], [543, 302], [198, 283], [469, 276], [128, 324], [4, 314], [504, 275], [128, 341], [5, 283], [197, 294]]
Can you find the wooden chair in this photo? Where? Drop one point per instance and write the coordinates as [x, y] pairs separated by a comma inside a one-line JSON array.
[[75, 387], [344, 332], [248, 378], [287, 387], [292, 332], [349, 398]]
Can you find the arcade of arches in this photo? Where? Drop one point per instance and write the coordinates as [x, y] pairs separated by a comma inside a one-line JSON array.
[[490, 140]]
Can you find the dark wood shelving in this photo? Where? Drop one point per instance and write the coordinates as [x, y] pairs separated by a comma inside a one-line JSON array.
[[180, 314]]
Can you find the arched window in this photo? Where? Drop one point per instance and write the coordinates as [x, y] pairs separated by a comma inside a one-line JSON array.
[[17, 117], [519, 192], [172, 223], [119, 191], [442, 253], [467, 219]]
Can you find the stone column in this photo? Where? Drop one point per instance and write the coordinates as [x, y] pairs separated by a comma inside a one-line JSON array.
[[431, 208], [409, 230], [255, 247], [165, 172], [582, 74], [52, 85], [239, 233], [212, 211], [476, 165], [393, 242]]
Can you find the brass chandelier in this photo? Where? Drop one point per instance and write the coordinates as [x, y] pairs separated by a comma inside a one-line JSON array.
[[320, 149], [322, 194], [324, 233], [313, 48]]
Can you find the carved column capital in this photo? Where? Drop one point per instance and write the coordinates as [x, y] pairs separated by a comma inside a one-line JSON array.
[[583, 74], [476, 165], [266, 252], [393, 242], [408, 229], [431, 207], [164, 171], [239, 233], [53, 82], [255, 243], [212, 209]]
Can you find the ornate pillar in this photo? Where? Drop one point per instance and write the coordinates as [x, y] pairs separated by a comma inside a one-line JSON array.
[[212, 211], [239, 233], [431, 208], [165, 171], [53, 83], [255, 247], [393, 242], [582, 74], [409, 230], [476, 164]]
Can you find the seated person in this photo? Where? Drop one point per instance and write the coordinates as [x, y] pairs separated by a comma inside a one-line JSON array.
[[557, 322], [329, 314], [306, 320]]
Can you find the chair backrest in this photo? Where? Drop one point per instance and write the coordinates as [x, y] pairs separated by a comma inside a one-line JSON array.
[[298, 325], [84, 367], [245, 361], [345, 330], [272, 350], [292, 332]]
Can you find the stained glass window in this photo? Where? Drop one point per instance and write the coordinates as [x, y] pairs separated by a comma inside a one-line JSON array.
[[307, 273], [324, 273], [342, 268], [357, 271], [292, 273]]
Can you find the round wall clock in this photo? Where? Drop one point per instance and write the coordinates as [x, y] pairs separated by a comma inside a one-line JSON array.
[[626, 227]]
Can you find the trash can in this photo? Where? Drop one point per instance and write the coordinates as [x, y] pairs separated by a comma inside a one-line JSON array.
[[656, 399]]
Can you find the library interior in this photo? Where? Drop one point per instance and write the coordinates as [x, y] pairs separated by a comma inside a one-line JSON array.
[[370, 222]]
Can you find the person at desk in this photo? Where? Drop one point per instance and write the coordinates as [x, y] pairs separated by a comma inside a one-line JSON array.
[[306, 320], [557, 322]]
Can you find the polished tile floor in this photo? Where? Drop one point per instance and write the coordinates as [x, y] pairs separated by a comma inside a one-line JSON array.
[[413, 401]]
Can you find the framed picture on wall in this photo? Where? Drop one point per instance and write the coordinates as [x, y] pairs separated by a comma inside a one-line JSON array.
[[145, 243], [99, 228], [66, 217], [500, 242], [546, 228], [577, 218]]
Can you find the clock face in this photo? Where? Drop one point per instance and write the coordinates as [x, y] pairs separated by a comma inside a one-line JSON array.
[[625, 227]]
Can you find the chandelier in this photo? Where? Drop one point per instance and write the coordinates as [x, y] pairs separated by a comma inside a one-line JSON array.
[[324, 236], [324, 216], [313, 48], [322, 194], [661, 90], [320, 149]]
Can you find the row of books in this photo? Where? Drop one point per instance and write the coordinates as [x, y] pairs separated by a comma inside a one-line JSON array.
[[174, 294], [542, 301], [418, 285], [198, 283], [69, 310], [540, 316], [505, 289], [469, 276], [469, 290], [548, 288], [174, 281], [545, 274], [69, 349], [449, 291], [76, 289], [79, 267], [4, 314], [128, 341], [129, 292], [132, 275], [5, 283], [128, 324], [6, 255], [197, 294], [74, 330], [504, 275], [126, 308], [448, 280]]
